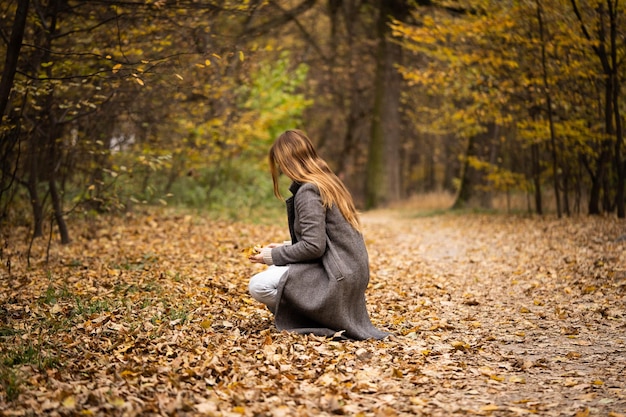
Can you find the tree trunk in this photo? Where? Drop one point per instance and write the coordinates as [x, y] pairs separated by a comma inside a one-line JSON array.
[[57, 206], [35, 201], [620, 163], [12, 54], [465, 188], [383, 165], [609, 70], [548, 96], [452, 167], [430, 180], [594, 195], [391, 123], [375, 169], [566, 206], [536, 167]]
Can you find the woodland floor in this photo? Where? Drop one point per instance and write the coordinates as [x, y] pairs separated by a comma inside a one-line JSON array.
[[149, 315]]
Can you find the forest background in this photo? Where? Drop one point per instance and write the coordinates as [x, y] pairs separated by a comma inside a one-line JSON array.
[[505, 104], [113, 109]]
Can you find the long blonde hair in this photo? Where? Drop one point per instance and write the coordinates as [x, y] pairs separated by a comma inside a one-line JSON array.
[[294, 155]]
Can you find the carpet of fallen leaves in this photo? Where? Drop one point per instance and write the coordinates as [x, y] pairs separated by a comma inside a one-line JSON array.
[[148, 314]]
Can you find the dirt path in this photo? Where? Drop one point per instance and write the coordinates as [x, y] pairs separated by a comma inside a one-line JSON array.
[[149, 315], [514, 316]]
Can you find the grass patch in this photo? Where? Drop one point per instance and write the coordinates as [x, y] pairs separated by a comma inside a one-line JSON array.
[[94, 306], [29, 355], [10, 383], [53, 295], [7, 331]]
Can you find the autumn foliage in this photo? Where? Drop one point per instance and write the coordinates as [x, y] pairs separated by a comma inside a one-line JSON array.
[[148, 314]]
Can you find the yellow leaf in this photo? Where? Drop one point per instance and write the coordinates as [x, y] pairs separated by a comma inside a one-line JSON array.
[[460, 345], [206, 324], [485, 370], [69, 402], [180, 77], [118, 402], [496, 378], [139, 81], [128, 373], [490, 407], [241, 57], [597, 382], [208, 407], [418, 401], [207, 62], [570, 383], [524, 310], [248, 252], [589, 289], [116, 68]]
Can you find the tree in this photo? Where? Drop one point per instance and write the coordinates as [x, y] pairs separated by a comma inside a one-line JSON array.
[[605, 16], [9, 135], [551, 109], [116, 66]]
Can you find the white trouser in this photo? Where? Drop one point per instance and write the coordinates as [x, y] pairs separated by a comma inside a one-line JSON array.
[[264, 285]]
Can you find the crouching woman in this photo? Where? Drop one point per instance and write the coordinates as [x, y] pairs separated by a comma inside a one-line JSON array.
[[316, 284]]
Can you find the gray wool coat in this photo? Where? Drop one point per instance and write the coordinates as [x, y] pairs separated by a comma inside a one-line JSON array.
[[323, 291]]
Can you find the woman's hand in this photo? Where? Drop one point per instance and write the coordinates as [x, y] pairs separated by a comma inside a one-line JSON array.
[[257, 257]]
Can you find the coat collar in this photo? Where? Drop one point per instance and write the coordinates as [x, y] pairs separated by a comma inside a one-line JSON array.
[[291, 211], [294, 187]]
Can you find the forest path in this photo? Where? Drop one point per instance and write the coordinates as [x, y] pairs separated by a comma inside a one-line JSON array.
[[149, 314], [516, 315]]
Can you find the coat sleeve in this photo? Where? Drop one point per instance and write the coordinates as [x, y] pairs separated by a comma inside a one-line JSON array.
[[311, 218]]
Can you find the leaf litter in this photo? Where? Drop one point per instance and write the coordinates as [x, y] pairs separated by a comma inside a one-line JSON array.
[[149, 315]]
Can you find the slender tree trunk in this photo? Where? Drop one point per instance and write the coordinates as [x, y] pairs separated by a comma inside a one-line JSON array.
[[465, 189], [566, 206], [578, 193], [9, 139], [620, 162], [596, 176], [383, 165], [452, 166], [35, 201], [430, 180], [391, 123], [536, 172], [375, 170], [609, 70], [12, 54], [57, 206], [548, 96]]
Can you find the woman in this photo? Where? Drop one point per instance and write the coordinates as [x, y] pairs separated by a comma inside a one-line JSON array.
[[316, 283]]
